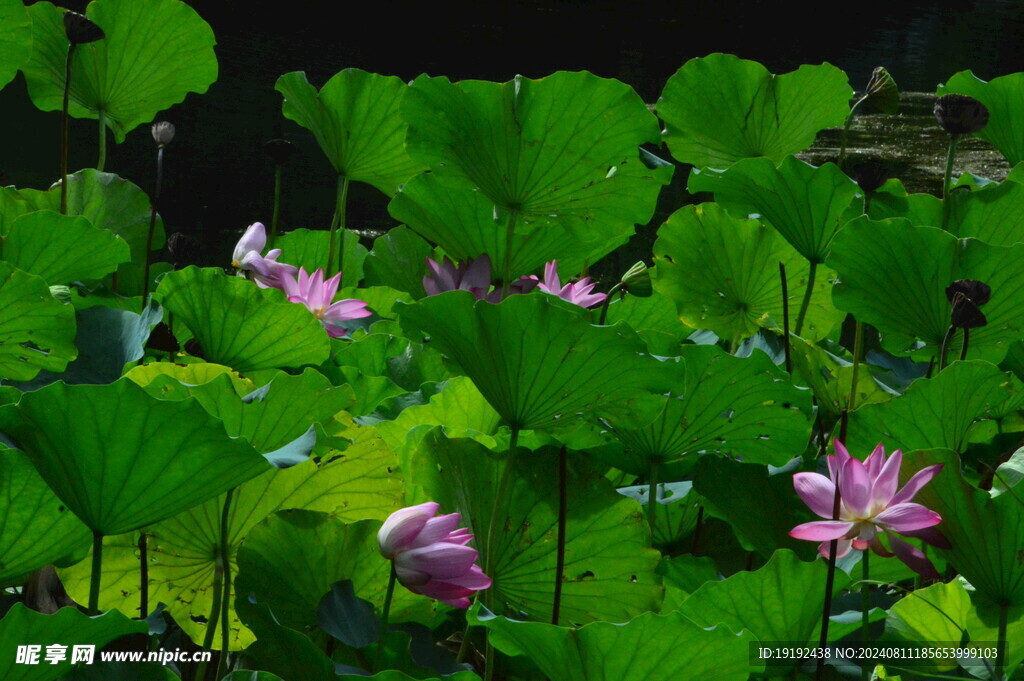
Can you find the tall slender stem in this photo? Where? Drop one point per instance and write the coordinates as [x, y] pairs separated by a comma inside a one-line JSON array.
[[858, 349], [963, 348], [225, 604], [830, 579], [277, 205], [497, 512], [385, 614], [652, 496], [152, 222], [101, 161], [64, 131], [696, 531], [211, 624], [846, 130], [563, 509], [785, 315], [1004, 611], [506, 268], [338, 222], [944, 347], [607, 302], [143, 576], [947, 178], [807, 298], [97, 570], [865, 609]]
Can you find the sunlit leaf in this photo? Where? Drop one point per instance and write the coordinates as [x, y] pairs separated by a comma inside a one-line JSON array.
[[36, 331], [62, 249], [16, 39]]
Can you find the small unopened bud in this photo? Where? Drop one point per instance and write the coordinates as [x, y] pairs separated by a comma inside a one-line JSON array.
[[966, 296], [163, 133], [870, 175], [279, 150], [81, 29], [882, 91], [960, 114], [637, 281]]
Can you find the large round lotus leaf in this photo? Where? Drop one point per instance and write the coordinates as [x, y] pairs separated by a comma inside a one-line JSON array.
[[892, 200], [154, 54], [993, 214], [464, 224], [405, 362], [726, 404], [121, 459], [648, 648], [308, 248], [1002, 97], [108, 202], [361, 482], [986, 533], [559, 153], [292, 558], [654, 318], [894, 275], [934, 613], [62, 249], [723, 274], [37, 529], [238, 324], [609, 567], [533, 358], [15, 40], [68, 626], [830, 378], [719, 109], [934, 413], [36, 331], [355, 118], [807, 205], [398, 260]]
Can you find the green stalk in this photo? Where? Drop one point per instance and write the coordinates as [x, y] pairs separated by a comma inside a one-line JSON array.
[[152, 222], [865, 608], [807, 298], [102, 160], [97, 569], [143, 576], [384, 620], [652, 496], [497, 511], [944, 347], [785, 315], [607, 302], [218, 588], [963, 348], [225, 604], [858, 349], [337, 222], [277, 205], [64, 131], [563, 506], [947, 180], [1004, 610], [830, 579], [846, 130], [506, 268]]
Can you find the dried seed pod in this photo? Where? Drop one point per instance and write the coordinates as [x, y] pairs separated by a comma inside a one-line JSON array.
[[870, 175], [960, 115], [966, 296], [81, 29], [163, 133]]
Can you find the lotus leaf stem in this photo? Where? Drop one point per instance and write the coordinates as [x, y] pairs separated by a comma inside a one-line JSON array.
[[64, 131], [846, 130], [337, 223], [807, 298], [865, 610], [225, 606], [563, 503], [101, 161], [143, 576], [497, 511], [947, 178], [785, 316], [385, 614], [97, 569]]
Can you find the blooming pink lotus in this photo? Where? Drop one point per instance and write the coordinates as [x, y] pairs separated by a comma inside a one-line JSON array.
[[578, 293], [430, 556], [266, 270], [316, 294], [870, 505], [473, 275]]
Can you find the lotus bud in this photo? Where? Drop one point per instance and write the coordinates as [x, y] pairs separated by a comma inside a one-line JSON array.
[[637, 281], [80, 29], [882, 91], [163, 133], [960, 115], [279, 150], [870, 175], [966, 296]]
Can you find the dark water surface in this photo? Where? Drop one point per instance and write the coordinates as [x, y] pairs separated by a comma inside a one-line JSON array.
[[218, 180]]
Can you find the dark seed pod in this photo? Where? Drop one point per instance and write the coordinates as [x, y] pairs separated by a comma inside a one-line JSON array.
[[966, 296], [960, 114], [161, 338], [870, 175], [882, 91], [163, 133], [977, 291], [279, 150], [80, 29]]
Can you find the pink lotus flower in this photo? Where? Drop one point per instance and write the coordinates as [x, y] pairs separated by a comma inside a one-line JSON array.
[[578, 293], [869, 506], [431, 557], [316, 294], [266, 271], [473, 275]]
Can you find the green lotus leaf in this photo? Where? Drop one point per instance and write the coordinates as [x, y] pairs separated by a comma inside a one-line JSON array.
[[805, 204], [654, 318], [719, 109], [194, 374], [726, 404], [609, 569], [830, 378], [934, 613], [309, 249], [360, 482], [894, 275], [291, 559], [559, 153], [121, 459], [933, 413], [67, 627], [675, 518], [464, 224], [108, 202], [1001, 96], [648, 648], [986, 533], [398, 259], [723, 274], [16, 39], [408, 364], [892, 200], [38, 529], [151, 58], [127, 671], [684, 574], [36, 331], [62, 249], [280, 649], [534, 358], [355, 118], [241, 325], [764, 514], [459, 407]]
